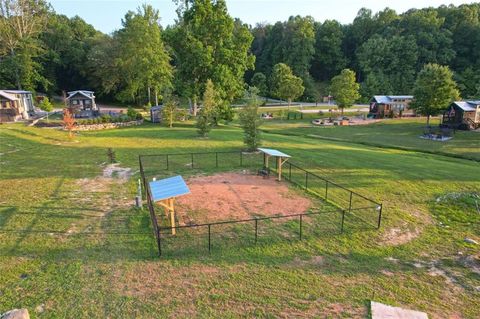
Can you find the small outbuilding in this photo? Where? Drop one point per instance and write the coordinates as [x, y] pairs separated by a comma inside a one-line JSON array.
[[16, 105], [391, 106], [83, 103], [156, 113], [462, 115]]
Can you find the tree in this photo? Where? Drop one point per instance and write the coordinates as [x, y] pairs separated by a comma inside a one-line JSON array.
[[259, 80], [209, 44], [170, 110], [68, 121], [207, 116], [284, 84], [250, 121], [345, 89], [21, 22], [143, 61], [434, 90], [46, 106]]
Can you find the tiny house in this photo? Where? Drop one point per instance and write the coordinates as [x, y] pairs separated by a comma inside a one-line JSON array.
[[16, 105], [390, 106], [462, 115], [83, 103]]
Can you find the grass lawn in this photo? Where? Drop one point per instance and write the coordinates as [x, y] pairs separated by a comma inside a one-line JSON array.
[[72, 246], [398, 133]]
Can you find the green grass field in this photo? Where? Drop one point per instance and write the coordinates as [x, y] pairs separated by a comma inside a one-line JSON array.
[[72, 246]]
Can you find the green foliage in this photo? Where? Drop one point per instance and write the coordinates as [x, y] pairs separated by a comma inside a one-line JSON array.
[[345, 89], [284, 84], [209, 112], [434, 90], [209, 44], [170, 112], [46, 105], [250, 121], [259, 80], [142, 59]]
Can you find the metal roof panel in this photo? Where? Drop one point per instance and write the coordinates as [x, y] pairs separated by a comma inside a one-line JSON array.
[[273, 152], [168, 188]]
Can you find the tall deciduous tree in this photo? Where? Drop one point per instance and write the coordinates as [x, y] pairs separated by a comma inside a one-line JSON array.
[[434, 90], [345, 89], [284, 84], [209, 44], [143, 61], [21, 22]]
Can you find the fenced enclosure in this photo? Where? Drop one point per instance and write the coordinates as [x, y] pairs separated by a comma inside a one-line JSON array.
[[342, 207]]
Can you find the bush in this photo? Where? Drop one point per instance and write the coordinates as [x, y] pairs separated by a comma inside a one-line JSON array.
[[131, 112], [139, 117]]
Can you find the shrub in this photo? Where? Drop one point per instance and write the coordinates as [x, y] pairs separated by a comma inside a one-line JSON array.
[[131, 112], [139, 117]]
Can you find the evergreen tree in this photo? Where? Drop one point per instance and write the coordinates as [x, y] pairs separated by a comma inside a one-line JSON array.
[[206, 119], [250, 121]]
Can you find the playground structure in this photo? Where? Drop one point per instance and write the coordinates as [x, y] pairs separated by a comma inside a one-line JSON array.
[[341, 207]]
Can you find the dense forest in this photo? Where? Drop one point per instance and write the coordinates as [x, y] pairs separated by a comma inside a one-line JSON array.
[[143, 61]]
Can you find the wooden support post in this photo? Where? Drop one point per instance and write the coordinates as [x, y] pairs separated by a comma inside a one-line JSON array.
[[279, 168], [172, 216]]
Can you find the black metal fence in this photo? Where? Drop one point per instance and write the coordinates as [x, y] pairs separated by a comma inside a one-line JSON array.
[[342, 201]]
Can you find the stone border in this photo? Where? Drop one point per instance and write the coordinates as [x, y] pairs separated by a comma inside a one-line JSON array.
[[106, 126]]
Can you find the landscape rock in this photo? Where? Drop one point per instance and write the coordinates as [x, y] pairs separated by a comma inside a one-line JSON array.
[[470, 241], [15, 314]]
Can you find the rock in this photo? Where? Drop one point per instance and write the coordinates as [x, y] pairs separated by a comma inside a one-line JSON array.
[[23, 276], [40, 308], [15, 314], [470, 241]]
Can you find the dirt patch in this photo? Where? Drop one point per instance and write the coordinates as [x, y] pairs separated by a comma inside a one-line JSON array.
[[398, 236], [114, 170], [229, 196], [301, 263]]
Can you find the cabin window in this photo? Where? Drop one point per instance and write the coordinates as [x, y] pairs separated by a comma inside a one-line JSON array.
[[88, 102], [75, 102]]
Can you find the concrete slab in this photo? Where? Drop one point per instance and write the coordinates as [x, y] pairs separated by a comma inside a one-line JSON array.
[[381, 311]]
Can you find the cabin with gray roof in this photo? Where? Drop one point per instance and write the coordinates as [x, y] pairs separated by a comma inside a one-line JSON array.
[[462, 115], [83, 103], [391, 106], [16, 105]]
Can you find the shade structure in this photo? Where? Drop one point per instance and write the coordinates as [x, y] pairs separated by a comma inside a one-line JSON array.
[[168, 188], [280, 156], [272, 152], [164, 193]]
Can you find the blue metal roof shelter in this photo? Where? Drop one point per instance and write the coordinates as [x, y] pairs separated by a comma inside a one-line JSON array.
[[281, 159], [168, 188], [164, 192]]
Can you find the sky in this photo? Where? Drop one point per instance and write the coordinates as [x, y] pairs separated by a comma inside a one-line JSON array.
[[106, 15]]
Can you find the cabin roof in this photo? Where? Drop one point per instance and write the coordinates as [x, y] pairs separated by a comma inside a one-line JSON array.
[[468, 106], [87, 94], [388, 99], [8, 95], [18, 92]]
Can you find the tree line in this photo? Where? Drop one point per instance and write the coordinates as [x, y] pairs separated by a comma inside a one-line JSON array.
[[144, 62]]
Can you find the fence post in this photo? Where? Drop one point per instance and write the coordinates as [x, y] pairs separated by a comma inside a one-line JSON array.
[[167, 162], [306, 180], [380, 216], [326, 190], [241, 158], [343, 218], [256, 230], [216, 159], [301, 227], [350, 204], [192, 160], [209, 243], [159, 243], [290, 172]]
